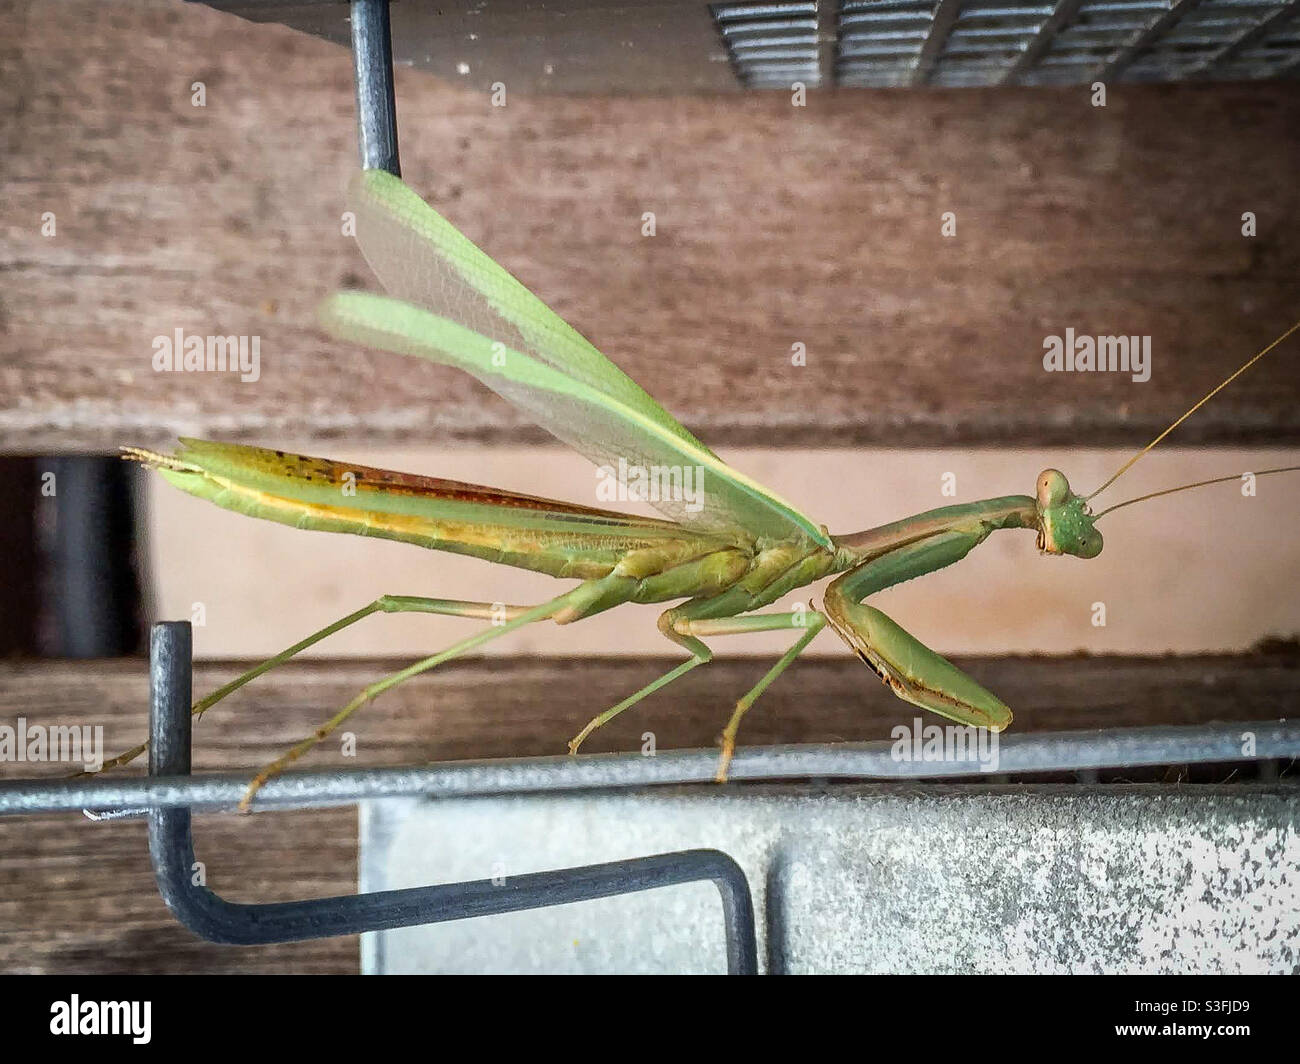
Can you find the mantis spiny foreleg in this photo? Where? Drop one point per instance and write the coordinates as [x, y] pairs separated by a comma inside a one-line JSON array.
[[915, 672]]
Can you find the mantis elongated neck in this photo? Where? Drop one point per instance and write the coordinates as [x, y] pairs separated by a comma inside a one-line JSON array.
[[1008, 511]]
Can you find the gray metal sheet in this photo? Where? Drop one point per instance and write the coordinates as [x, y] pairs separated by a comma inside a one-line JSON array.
[[881, 878]]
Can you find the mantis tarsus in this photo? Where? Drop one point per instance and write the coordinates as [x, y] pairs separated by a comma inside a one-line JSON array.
[[741, 549]]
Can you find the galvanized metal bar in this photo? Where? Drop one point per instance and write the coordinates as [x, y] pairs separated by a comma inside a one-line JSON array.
[[728, 12], [1065, 751], [1060, 17], [207, 914], [1111, 70], [854, 879], [944, 18], [372, 67]]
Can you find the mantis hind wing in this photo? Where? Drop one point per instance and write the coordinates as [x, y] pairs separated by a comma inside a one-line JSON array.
[[456, 306], [423, 259], [590, 421]]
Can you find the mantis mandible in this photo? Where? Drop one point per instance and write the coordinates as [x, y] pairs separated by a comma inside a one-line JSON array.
[[739, 549]]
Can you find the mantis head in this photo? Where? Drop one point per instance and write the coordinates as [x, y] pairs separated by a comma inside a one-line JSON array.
[[1065, 524]]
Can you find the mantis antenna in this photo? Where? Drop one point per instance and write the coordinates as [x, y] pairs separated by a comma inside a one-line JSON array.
[[1188, 487], [1205, 399]]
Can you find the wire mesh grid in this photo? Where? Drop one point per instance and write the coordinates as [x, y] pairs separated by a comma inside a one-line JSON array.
[[771, 45], [972, 43]]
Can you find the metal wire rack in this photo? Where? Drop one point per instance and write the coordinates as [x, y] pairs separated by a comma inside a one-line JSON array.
[[980, 43]]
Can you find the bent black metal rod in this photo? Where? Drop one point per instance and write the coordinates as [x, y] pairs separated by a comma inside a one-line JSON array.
[[207, 914]]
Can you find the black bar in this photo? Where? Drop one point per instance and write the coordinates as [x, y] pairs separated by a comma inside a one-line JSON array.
[[372, 66], [94, 591], [20, 596]]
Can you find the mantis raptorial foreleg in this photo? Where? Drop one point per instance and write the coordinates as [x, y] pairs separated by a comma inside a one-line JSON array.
[[915, 672], [384, 604]]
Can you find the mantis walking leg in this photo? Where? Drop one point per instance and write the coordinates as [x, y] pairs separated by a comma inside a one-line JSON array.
[[383, 604], [669, 622], [813, 621], [633, 699], [683, 629], [915, 672], [527, 616]]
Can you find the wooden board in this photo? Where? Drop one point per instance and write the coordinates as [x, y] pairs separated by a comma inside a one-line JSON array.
[[775, 225], [79, 897]]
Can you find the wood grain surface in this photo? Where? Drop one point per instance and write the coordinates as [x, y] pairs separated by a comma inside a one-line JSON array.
[[775, 225], [77, 896]]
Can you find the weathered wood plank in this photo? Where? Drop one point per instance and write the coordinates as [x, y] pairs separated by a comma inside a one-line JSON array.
[[77, 896], [775, 225], [507, 707], [80, 897]]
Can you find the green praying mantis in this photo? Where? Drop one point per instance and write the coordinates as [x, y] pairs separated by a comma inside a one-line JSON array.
[[723, 552]]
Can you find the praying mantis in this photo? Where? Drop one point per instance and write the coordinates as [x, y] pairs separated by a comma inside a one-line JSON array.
[[722, 554]]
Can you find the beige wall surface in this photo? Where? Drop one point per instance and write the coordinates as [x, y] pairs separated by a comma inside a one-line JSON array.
[[1203, 571]]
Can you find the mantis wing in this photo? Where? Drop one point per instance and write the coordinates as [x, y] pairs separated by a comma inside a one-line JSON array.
[[505, 527], [482, 320]]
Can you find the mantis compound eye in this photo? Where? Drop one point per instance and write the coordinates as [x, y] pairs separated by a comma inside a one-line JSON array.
[[1053, 488], [1090, 544]]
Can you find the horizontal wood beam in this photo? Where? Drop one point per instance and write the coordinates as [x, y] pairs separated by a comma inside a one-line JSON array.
[[775, 226]]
